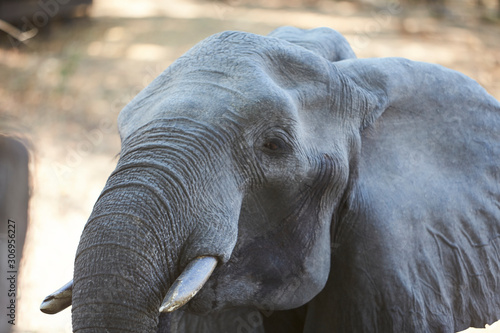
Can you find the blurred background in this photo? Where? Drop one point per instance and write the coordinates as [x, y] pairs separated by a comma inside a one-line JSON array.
[[67, 67]]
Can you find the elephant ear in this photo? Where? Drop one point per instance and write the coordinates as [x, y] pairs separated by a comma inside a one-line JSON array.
[[425, 205], [325, 42]]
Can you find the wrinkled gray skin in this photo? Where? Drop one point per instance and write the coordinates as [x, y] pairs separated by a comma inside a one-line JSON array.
[[361, 193]]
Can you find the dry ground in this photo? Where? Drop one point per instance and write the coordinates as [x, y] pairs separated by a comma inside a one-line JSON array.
[[63, 92]]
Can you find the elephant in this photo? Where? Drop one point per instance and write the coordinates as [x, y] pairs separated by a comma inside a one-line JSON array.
[[281, 184], [14, 201]]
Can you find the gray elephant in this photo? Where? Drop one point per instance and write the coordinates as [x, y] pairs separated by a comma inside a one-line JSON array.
[[14, 200], [294, 188]]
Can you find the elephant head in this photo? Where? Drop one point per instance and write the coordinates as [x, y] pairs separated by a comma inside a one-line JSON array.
[[245, 158]]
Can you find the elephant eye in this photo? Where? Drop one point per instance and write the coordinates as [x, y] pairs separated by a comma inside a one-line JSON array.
[[275, 145], [271, 145]]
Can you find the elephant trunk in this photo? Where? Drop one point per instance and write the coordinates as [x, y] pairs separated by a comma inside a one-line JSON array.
[[121, 268], [156, 214]]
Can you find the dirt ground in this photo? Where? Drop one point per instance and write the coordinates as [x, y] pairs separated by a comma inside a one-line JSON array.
[[63, 92]]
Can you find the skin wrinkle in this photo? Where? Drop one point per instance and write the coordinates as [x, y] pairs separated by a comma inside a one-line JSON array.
[[352, 199], [175, 124], [215, 85], [130, 296], [156, 192], [331, 186], [152, 236], [366, 99], [218, 74], [200, 146], [172, 178], [183, 138], [117, 304], [129, 301], [156, 233], [174, 152], [488, 243], [305, 208], [166, 209], [163, 205], [456, 250]]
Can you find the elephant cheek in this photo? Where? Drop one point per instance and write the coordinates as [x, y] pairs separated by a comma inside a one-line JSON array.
[[304, 282], [315, 273], [253, 278]]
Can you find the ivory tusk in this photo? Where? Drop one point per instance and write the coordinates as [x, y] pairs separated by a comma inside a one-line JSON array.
[[58, 300], [188, 283]]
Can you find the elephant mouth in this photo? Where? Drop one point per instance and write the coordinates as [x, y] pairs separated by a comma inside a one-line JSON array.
[[185, 287]]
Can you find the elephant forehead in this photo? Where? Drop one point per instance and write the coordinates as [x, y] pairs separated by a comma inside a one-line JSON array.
[[201, 98], [209, 101], [243, 74], [246, 56]]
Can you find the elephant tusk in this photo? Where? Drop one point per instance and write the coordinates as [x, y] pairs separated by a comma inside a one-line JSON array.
[[188, 283], [58, 300]]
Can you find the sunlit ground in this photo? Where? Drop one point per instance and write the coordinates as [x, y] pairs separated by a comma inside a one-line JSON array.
[[64, 92]]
